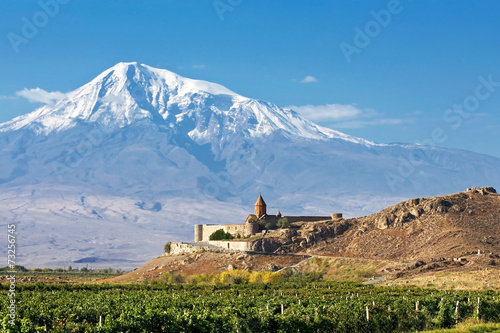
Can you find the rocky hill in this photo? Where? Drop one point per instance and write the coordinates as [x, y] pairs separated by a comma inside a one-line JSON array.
[[449, 226], [406, 241]]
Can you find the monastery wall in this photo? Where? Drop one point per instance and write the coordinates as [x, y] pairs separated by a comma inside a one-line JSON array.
[[202, 232]]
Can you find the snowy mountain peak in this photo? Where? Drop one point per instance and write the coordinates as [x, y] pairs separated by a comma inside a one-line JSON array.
[[132, 71], [207, 112]]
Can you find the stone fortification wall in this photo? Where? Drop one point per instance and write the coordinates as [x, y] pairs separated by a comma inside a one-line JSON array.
[[198, 233], [231, 246], [235, 229], [292, 219], [273, 220], [202, 232], [251, 228], [179, 247]]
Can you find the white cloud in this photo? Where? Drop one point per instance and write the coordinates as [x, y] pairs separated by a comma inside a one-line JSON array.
[[345, 116], [38, 95], [309, 79], [328, 112], [3, 97], [200, 66], [373, 122]]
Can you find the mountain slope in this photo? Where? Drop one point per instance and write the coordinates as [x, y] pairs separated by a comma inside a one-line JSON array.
[[139, 155], [449, 226]]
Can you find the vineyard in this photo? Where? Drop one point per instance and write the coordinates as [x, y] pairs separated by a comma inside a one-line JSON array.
[[276, 307]]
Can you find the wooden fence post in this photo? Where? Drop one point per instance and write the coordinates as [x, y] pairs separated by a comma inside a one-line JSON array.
[[477, 309]]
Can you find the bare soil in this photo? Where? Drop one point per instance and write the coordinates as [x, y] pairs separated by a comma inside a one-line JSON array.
[[208, 263]]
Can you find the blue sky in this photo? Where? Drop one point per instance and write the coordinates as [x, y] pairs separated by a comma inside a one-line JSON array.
[[388, 71]]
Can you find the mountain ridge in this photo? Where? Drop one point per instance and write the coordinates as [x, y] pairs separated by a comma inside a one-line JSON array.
[[123, 139]]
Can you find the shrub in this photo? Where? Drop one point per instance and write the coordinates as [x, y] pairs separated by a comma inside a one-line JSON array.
[[171, 277], [265, 224], [167, 247], [219, 235], [283, 222], [236, 276], [265, 277]]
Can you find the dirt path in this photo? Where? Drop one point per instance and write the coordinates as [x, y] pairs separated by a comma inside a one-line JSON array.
[[294, 267], [376, 280]]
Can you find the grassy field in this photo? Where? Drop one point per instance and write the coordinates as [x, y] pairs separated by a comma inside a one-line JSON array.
[[72, 276], [467, 280], [470, 326], [349, 269]]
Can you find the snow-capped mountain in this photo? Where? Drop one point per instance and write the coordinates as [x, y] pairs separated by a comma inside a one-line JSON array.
[[129, 92], [138, 155]]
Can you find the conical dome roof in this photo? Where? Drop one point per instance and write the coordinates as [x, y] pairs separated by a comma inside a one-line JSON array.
[[260, 201]]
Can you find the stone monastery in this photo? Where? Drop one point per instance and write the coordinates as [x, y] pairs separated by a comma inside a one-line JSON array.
[[257, 224], [253, 224]]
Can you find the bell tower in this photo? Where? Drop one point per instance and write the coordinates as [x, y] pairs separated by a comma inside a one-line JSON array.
[[260, 207]]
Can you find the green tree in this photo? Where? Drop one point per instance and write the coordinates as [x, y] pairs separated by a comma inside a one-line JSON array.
[[167, 247], [220, 235], [283, 222], [265, 224]]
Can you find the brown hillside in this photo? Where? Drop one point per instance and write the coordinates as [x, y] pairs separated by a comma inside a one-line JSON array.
[[415, 238], [208, 263], [449, 226]]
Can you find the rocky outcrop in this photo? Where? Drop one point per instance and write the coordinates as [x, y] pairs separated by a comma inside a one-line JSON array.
[[268, 245], [420, 229], [482, 190], [407, 211], [311, 233], [272, 267]]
